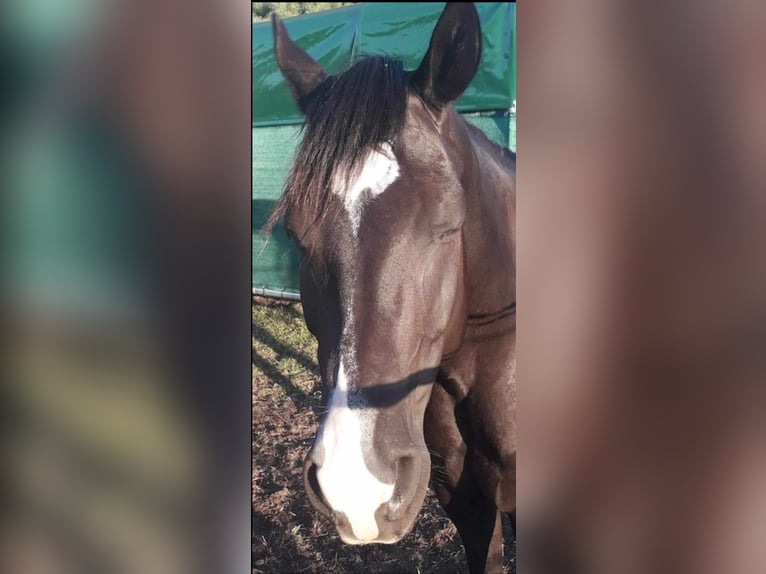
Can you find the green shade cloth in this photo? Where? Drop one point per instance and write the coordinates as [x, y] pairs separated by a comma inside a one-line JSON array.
[[336, 38]]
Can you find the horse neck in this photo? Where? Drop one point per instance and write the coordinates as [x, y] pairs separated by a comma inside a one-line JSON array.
[[489, 229]]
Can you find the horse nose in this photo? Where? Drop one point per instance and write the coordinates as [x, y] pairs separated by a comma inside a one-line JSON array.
[[405, 487]]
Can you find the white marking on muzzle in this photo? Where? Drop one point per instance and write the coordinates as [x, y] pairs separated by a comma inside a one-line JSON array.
[[346, 482], [379, 171]]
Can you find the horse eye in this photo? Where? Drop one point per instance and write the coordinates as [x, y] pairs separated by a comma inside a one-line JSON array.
[[294, 237], [444, 231]]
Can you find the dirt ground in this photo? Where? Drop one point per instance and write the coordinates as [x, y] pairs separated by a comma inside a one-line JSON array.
[[287, 534]]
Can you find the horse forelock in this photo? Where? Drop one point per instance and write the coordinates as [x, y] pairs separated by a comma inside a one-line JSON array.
[[351, 118]]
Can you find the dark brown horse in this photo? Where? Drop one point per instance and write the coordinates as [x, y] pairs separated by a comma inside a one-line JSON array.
[[404, 215]]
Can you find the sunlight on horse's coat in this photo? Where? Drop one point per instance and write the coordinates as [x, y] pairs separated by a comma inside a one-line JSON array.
[[422, 303], [379, 171], [346, 482]]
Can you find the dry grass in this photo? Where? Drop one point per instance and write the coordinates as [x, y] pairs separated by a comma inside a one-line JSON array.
[[288, 535]]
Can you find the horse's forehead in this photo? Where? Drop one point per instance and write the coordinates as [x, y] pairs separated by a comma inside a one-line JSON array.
[[374, 176]]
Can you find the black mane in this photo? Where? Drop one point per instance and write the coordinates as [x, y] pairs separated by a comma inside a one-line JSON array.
[[347, 116]]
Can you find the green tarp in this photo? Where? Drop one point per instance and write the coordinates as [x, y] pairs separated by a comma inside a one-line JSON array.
[[336, 38]]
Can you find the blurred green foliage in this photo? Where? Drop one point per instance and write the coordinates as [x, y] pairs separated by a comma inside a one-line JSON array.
[[263, 10]]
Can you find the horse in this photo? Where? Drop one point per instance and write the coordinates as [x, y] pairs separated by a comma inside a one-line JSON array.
[[404, 215]]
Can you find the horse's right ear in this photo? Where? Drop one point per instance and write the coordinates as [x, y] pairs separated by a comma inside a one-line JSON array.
[[453, 56], [302, 72]]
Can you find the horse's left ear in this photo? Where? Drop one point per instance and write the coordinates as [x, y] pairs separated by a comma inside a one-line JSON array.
[[453, 55]]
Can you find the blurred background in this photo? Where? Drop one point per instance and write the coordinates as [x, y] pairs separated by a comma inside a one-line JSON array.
[[125, 134], [642, 287]]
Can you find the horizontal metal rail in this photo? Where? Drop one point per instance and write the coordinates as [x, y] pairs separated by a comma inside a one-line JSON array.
[[277, 294]]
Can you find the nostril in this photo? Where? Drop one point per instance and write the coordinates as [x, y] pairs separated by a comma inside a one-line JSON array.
[[313, 481], [405, 486], [313, 489]]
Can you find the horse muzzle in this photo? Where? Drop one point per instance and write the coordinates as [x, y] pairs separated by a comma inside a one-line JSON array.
[[385, 522]]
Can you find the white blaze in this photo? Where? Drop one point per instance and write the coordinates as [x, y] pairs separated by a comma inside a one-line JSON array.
[[379, 171], [346, 482]]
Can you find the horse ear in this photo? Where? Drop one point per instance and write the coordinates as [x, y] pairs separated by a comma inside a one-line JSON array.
[[302, 72], [453, 55]]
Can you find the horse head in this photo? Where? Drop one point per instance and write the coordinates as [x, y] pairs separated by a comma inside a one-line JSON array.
[[376, 202]]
